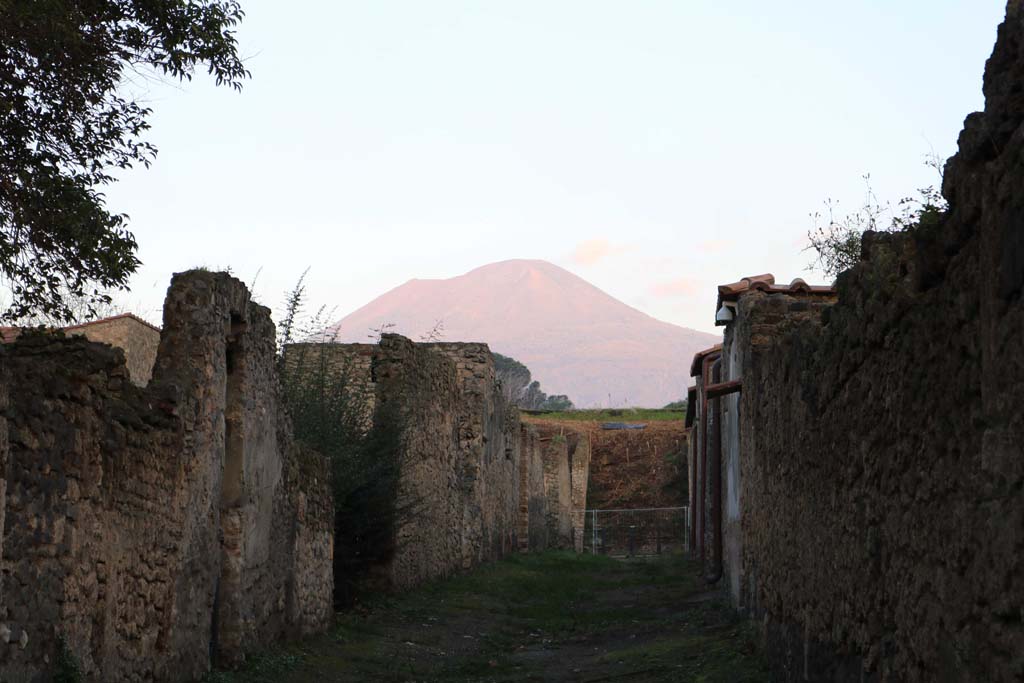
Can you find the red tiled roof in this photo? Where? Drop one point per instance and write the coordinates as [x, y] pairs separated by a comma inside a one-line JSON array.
[[766, 283], [698, 358], [750, 282], [109, 319]]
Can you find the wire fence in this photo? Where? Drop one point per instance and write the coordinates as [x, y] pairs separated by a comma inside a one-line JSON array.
[[636, 532]]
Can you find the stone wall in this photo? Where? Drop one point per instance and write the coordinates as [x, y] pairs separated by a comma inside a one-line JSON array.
[[473, 483], [489, 454], [459, 488], [152, 527], [137, 338], [533, 502], [557, 487], [423, 384], [881, 443], [579, 476], [759, 318]]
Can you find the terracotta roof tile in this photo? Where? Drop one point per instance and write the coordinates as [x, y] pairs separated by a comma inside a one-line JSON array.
[[698, 358], [752, 281], [766, 283]]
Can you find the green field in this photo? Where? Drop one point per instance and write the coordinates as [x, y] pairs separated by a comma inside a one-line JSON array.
[[553, 616], [612, 415]]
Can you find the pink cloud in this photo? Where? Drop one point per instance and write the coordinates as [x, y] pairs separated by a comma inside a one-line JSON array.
[[590, 252], [713, 246], [683, 286]]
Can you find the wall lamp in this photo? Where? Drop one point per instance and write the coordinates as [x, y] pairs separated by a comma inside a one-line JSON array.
[[725, 314]]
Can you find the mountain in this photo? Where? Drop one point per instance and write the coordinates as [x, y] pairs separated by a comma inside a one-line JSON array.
[[575, 339]]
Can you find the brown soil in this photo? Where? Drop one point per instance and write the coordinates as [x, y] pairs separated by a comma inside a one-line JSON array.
[[642, 468]]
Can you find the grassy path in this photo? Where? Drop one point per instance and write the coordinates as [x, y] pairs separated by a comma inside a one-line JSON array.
[[547, 617]]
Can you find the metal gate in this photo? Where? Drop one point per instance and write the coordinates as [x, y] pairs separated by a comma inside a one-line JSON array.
[[642, 531]]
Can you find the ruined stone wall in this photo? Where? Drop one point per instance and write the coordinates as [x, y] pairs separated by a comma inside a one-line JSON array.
[[138, 339], [460, 462], [557, 485], [883, 448], [150, 527], [488, 443], [459, 492], [579, 475], [93, 514], [428, 539], [468, 467], [532, 529]]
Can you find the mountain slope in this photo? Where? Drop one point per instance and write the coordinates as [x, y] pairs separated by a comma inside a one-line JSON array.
[[575, 339]]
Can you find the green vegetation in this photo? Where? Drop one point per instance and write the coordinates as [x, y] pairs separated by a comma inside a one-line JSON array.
[[676, 405], [836, 240], [67, 669], [613, 414], [553, 616], [65, 126], [518, 388], [329, 407]]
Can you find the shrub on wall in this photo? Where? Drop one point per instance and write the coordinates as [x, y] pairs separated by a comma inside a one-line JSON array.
[[836, 240], [329, 406]]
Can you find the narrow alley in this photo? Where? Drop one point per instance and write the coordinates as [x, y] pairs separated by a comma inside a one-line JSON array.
[[553, 616]]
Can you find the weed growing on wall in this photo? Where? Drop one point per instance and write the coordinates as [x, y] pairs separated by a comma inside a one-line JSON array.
[[331, 411], [835, 239]]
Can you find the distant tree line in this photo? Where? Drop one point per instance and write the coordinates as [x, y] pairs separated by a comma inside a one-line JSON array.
[[522, 390]]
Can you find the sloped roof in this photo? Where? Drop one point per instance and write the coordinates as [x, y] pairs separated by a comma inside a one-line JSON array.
[[9, 334], [698, 358], [766, 283], [120, 316]]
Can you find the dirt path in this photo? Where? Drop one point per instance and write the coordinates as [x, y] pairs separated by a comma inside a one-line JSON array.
[[547, 617]]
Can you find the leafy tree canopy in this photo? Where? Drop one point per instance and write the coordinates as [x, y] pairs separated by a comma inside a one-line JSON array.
[[513, 375], [65, 125], [557, 403], [519, 388]]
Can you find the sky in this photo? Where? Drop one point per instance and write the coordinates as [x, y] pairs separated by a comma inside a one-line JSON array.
[[654, 148]]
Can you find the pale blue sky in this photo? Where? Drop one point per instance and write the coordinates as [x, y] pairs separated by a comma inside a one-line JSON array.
[[654, 148]]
